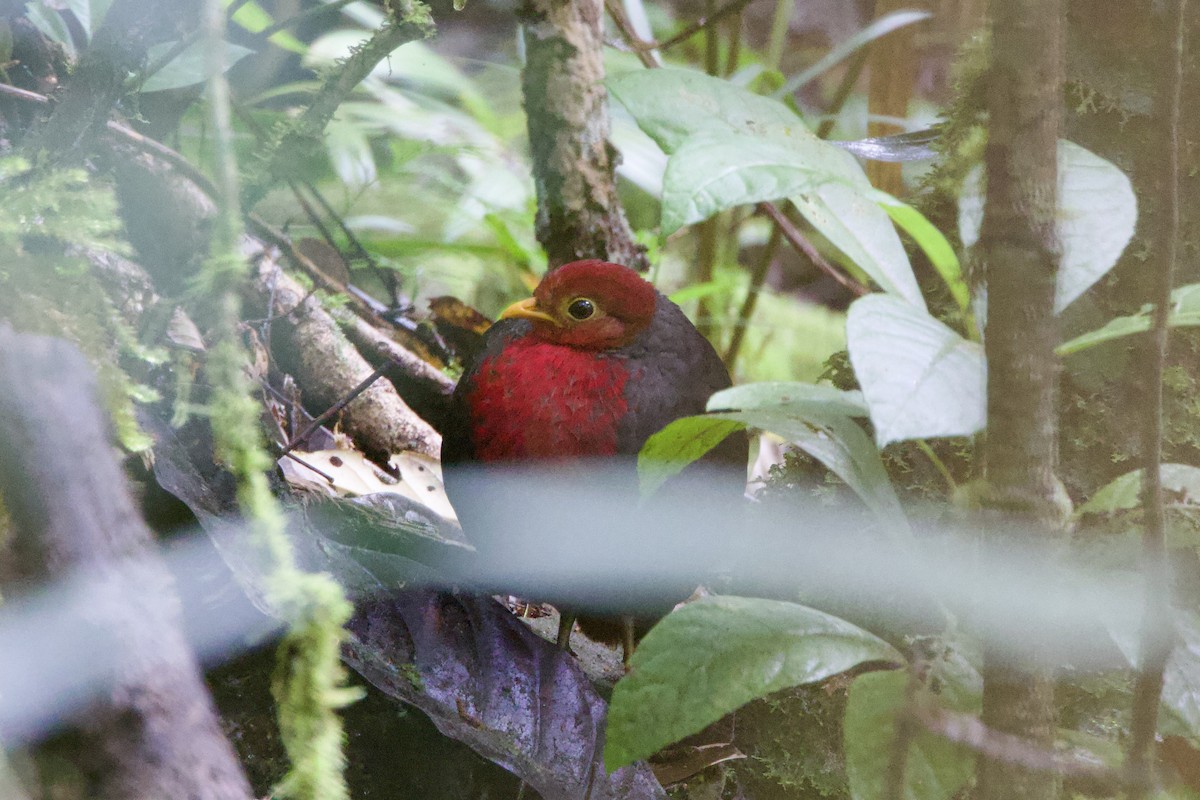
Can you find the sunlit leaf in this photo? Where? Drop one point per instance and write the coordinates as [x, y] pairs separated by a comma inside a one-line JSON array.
[[1097, 214], [715, 655], [935, 768], [920, 378]]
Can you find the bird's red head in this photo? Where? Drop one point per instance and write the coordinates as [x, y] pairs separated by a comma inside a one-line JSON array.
[[590, 304]]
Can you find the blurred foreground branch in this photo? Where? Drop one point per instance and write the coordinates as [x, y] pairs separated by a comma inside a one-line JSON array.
[[156, 733]]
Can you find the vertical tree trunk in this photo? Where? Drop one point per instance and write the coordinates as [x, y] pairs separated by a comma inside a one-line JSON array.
[[578, 214], [1021, 257]]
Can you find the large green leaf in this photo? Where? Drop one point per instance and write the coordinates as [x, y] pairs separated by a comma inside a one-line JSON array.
[[671, 105], [935, 769], [920, 378], [731, 147], [713, 656], [715, 170], [1097, 214], [1124, 492]]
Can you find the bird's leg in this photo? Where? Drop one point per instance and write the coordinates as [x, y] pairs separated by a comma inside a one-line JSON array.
[[566, 623]]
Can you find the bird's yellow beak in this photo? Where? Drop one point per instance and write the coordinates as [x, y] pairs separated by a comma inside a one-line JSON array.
[[527, 309]]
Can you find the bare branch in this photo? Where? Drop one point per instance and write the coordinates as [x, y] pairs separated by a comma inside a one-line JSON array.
[[1156, 636]]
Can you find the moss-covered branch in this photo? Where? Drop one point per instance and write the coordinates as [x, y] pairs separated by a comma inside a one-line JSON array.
[[296, 141]]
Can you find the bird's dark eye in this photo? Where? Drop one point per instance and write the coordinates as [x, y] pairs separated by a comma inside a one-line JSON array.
[[581, 308]]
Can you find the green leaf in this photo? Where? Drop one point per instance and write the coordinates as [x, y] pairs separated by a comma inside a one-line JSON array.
[[932, 242], [802, 399], [1185, 313], [715, 655], [713, 171], [668, 452], [880, 27], [935, 770], [670, 105], [817, 419], [1097, 214], [1124, 493], [920, 378], [51, 24], [852, 221], [189, 67]]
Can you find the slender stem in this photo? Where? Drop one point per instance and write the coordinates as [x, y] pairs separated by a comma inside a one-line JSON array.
[[336, 407], [701, 24], [938, 464], [630, 36], [1156, 635], [797, 240], [757, 277], [853, 71], [735, 44], [712, 42], [780, 24]]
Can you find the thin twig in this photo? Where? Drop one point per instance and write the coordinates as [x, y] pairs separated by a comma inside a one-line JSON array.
[[758, 276], [335, 408], [691, 30], [386, 277], [1156, 634], [629, 34], [797, 240], [329, 478], [853, 71], [1090, 776]]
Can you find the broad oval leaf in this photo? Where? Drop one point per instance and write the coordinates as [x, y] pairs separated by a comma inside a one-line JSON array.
[[1097, 215], [936, 769], [920, 378], [712, 171], [715, 655], [671, 105]]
